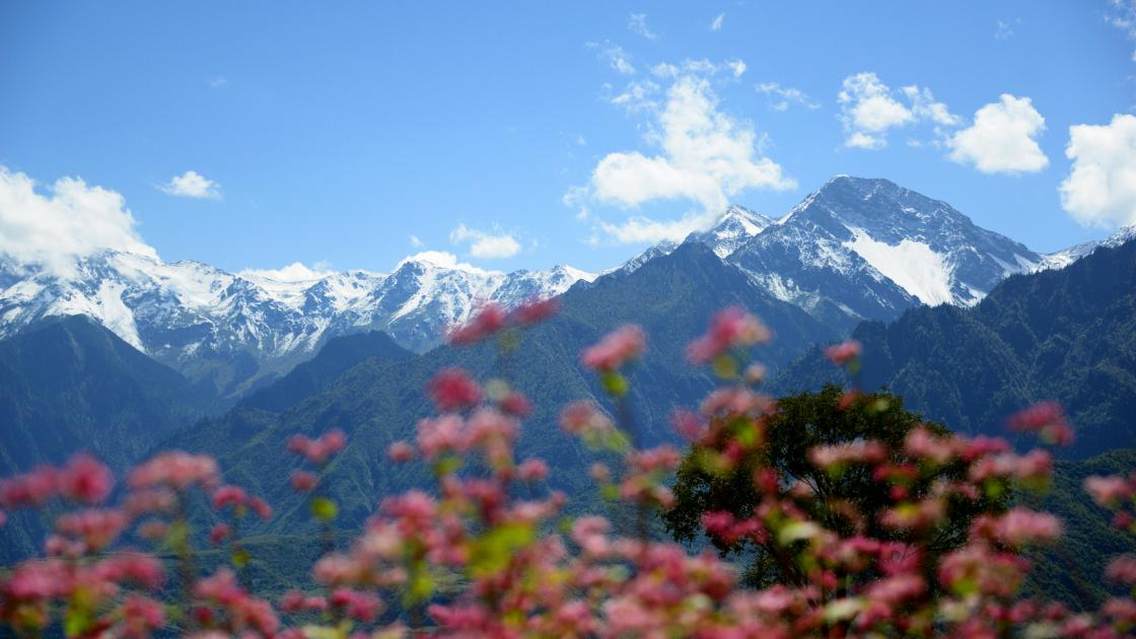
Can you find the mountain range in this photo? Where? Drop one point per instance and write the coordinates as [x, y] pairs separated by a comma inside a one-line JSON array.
[[855, 249]]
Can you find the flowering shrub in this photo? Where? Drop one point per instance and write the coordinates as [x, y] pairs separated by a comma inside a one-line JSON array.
[[487, 551]]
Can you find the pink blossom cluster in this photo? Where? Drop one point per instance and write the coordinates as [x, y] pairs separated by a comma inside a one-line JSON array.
[[489, 549], [731, 328], [493, 318]]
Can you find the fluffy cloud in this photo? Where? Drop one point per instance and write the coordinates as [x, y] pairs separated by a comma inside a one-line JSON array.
[[1003, 138], [706, 156], [1122, 15], [192, 184], [869, 109], [781, 98], [637, 24], [70, 221], [716, 23], [1100, 190], [415, 241], [294, 272], [485, 245], [614, 55]]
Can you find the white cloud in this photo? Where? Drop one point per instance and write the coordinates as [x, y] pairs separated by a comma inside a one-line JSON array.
[[614, 55], [781, 98], [294, 272], [1122, 15], [1003, 138], [192, 184], [415, 242], [485, 245], [737, 66], [637, 24], [645, 230], [716, 23], [70, 221], [1100, 190], [637, 96], [218, 81], [869, 109], [705, 156], [1004, 30]]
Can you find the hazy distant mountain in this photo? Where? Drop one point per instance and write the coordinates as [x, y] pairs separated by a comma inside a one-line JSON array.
[[235, 329]]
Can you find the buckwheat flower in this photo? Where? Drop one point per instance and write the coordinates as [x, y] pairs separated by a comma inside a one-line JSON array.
[[616, 349], [141, 616], [360, 606], [84, 479], [843, 353], [229, 496], [515, 404], [260, 507], [536, 310], [1046, 420], [303, 481], [318, 451], [453, 390], [134, 567], [219, 533], [1122, 569], [730, 328], [400, 452], [177, 470], [95, 528], [30, 489], [1109, 491], [487, 321], [584, 417], [441, 434], [688, 425], [532, 470], [1018, 528]]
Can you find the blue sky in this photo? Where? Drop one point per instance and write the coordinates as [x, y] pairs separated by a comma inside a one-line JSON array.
[[521, 135]]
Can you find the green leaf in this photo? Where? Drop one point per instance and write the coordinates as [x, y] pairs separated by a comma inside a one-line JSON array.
[[492, 551], [725, 366], [77, 620], [241, 557], [614, 384], [324, 509]]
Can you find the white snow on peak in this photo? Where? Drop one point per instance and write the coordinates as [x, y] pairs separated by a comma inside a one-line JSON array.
[[914, 266]]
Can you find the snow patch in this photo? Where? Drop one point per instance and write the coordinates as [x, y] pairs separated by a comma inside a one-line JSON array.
[[914, 266]]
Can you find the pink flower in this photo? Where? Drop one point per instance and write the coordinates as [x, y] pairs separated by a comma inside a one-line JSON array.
[[688, 425], [219, 533], [1046, 420], [318, 451], [95, 528], [532, 470], [177, 470], [616, 349], [260, 507], [229, 496], [1122, 569], [452, 390], [142, 616], [85, 480], [1108, 491], [360, 606], [400, 452], [488, 320], [30, 489], [843, 353], [535, 311], [303, 481], [516, 404], [732, 327], [1019, 527]]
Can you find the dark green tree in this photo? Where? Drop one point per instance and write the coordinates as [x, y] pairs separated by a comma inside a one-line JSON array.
[[852, 500]]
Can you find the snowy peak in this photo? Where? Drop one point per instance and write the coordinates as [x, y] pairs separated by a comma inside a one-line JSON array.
[[235, 328], [1065, 257], [870, 249], [732, 229]]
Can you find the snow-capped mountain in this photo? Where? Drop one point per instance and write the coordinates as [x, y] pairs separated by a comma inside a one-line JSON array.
[[869, 249], [1065, 257], [234, 329], [735, 227]]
